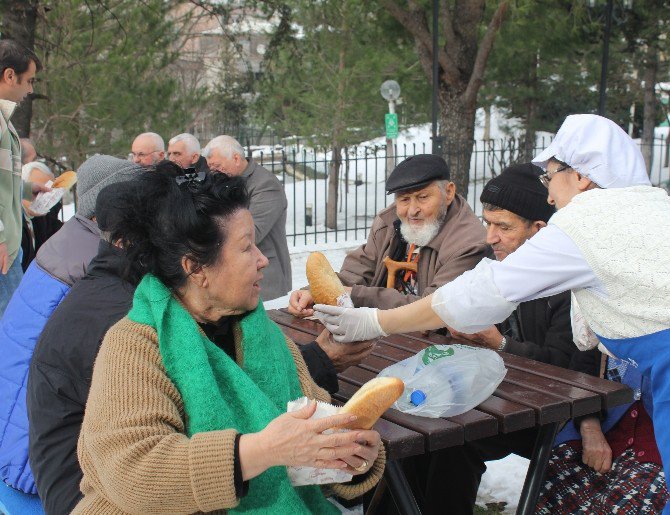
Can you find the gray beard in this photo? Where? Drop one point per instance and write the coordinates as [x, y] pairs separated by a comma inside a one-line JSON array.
[[420, 236]]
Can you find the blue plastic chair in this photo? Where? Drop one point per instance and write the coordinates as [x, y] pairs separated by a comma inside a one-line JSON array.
[[15, 502]]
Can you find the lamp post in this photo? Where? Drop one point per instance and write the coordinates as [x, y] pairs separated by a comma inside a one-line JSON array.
[[390, 91], [437, 140], [604, 63]]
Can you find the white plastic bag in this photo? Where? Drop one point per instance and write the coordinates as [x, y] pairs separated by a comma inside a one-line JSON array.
[[447, 380], [300, 476]]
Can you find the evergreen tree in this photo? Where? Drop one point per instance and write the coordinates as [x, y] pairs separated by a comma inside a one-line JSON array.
[[107, 77]]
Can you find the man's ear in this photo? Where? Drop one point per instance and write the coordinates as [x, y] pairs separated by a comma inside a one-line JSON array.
[[584, 183], [450, 192], [8, 76], [537, 225], [194, 271]]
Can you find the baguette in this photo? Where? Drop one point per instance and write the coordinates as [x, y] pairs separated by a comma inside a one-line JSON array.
[[325, 286], [372, 400], [65, 180]]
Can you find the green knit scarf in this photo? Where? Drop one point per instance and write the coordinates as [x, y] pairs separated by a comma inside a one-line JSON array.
[[220, 394]]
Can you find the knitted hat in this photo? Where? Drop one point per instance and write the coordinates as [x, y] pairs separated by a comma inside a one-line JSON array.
[[416, 172], [97, 172], [519, 190]]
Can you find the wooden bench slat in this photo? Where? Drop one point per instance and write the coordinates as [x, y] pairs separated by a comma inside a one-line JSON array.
[[547, 407], [399, 441], [510, 415], [583, 402]]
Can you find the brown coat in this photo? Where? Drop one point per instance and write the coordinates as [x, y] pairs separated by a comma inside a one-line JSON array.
[[459, 246], [133, 449]]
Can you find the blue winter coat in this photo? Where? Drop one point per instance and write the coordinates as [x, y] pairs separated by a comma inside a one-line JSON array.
[[59, 263]]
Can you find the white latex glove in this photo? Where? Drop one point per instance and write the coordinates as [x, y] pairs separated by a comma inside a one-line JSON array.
[[349, 324]]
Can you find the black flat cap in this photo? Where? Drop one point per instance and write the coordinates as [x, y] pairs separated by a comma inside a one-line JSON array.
[[416, 172]]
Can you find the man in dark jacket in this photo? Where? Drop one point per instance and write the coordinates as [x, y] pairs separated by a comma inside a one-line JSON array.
[[62, 365], [515, 208]]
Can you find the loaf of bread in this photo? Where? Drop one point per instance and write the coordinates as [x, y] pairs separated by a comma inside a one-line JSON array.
[[372, 400], [65, 180], [325, 286]]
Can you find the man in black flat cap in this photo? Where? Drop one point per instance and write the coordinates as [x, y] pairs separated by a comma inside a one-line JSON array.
[[429, 224], [515, 208]]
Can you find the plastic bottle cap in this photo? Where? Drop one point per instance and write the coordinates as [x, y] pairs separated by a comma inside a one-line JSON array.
[[417, 397]]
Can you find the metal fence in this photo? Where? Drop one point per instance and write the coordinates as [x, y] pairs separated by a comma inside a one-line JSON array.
[[304, 172]]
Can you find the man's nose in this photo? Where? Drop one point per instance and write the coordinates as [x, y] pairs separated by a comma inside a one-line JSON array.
[[414, 207], [492, 235]]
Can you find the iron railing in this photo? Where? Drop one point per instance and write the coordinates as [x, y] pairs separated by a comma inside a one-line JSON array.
[[304, 172]]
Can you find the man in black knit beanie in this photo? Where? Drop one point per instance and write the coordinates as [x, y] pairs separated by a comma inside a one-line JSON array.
[[515, 208]]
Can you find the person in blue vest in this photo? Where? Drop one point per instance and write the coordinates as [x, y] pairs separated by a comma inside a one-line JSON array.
[[609, 243], [61, 261]]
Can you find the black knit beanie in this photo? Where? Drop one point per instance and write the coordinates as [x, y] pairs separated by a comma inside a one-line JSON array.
[[519, 190]]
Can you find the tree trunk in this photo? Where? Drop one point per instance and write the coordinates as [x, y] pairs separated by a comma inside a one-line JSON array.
[[19, 19], [458, 127], [333, 181], [649, 114], [462, 62], [487, 122]]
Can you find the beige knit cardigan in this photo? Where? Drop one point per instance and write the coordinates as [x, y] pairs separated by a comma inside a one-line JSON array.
[[133, 450]]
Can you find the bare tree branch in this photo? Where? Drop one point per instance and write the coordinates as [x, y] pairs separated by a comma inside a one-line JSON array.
[[415, 23], [485, 47]]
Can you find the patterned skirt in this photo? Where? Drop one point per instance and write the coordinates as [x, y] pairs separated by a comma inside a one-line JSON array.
[[630, 487]]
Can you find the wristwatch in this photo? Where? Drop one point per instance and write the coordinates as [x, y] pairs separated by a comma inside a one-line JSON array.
[[503, 344]]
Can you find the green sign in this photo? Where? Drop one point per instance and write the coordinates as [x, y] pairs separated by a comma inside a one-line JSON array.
[[391, 120]]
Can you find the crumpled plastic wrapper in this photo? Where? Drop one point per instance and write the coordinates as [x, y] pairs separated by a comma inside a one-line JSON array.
[[301, 476], [45, 200], [344, 301]]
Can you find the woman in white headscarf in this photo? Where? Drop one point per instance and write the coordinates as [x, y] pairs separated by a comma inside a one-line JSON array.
[[609, 243]]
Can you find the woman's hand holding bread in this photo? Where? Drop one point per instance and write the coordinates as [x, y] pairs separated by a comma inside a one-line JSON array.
[[300, 304], [292, 439]]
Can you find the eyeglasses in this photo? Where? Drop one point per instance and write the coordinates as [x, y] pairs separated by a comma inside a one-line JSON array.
[[141, 155], [546, 177]]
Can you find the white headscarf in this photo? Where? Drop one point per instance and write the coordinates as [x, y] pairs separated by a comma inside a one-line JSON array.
[[28, 167], [599, 149]]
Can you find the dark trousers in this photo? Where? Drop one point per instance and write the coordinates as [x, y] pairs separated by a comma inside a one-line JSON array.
[[445, 482]]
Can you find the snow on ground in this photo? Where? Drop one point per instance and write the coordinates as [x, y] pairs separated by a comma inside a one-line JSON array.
[[502, 482]]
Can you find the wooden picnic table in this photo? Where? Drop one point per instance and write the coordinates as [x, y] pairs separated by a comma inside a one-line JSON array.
[[532, 394]]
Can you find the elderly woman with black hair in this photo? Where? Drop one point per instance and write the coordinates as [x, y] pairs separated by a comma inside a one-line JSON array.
[[186, 407]]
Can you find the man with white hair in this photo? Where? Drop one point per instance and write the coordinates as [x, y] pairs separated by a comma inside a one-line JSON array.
[[268, 208], [36, 172], [148, 149], [428, 224], [184, 150]]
